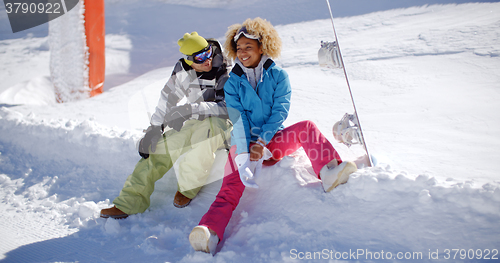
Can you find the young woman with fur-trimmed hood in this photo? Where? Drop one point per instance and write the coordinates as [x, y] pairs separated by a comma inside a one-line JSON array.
[[258, 101]]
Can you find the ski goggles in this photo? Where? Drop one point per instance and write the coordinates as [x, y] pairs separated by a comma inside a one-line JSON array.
[[243, 31], [201, 56]]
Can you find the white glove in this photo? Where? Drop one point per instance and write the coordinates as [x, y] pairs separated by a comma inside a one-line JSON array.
[[249, 170], [246, 175]]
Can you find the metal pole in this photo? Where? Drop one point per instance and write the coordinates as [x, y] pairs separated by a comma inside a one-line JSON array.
[[348, 85]]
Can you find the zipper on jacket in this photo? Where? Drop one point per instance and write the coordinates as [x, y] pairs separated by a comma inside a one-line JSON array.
[[260, 81]]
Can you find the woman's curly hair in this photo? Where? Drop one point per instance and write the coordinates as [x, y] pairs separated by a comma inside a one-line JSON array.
[[268, 37]]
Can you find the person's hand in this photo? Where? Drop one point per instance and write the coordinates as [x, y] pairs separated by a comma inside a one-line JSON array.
[[153, 134], [257, 151], [258, 164], [177, 115]]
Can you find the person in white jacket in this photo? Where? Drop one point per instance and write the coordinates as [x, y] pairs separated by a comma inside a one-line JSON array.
[[192, 104]]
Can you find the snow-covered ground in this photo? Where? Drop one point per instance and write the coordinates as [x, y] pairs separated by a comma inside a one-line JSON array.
[[427, 86]]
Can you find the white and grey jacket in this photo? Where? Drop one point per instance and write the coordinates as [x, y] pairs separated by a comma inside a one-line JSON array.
[[204, 91]]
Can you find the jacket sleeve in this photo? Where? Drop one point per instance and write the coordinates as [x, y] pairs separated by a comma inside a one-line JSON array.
[[170, 95], [241, 127], [280, 107]]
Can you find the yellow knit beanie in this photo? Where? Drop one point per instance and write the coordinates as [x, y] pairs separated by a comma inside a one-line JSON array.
[[191, 43]]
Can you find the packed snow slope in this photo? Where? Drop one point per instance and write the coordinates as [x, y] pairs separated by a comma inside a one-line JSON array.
[[427, 86]]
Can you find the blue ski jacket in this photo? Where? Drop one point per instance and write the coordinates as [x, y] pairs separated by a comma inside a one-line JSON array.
[[260, 112]]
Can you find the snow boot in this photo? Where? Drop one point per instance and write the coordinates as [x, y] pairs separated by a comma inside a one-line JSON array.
[[332, 175], [203, 239], [113, 212], [180, 200]]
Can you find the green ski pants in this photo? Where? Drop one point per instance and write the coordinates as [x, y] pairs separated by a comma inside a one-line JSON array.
[[199, 140]]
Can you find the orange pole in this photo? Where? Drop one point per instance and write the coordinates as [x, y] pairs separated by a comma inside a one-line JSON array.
[[95, 33]]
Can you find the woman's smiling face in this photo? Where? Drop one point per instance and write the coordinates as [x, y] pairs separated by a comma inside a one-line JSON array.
[[248, 52]]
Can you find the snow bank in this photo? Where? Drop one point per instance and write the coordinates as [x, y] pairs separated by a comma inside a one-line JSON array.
[[50, 148], [117, 54], [30, 54], [37, 91], [380, 210]]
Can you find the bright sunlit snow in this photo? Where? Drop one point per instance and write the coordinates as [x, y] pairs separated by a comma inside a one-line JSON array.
[[426, 82]]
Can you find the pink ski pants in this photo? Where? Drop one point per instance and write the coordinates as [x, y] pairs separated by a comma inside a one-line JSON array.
[[302, 134]]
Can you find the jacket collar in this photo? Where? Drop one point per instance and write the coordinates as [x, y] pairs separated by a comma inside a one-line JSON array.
[[238, 70]]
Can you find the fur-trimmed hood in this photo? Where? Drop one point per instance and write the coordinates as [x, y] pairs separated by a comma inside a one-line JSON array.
[[269, 38]]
